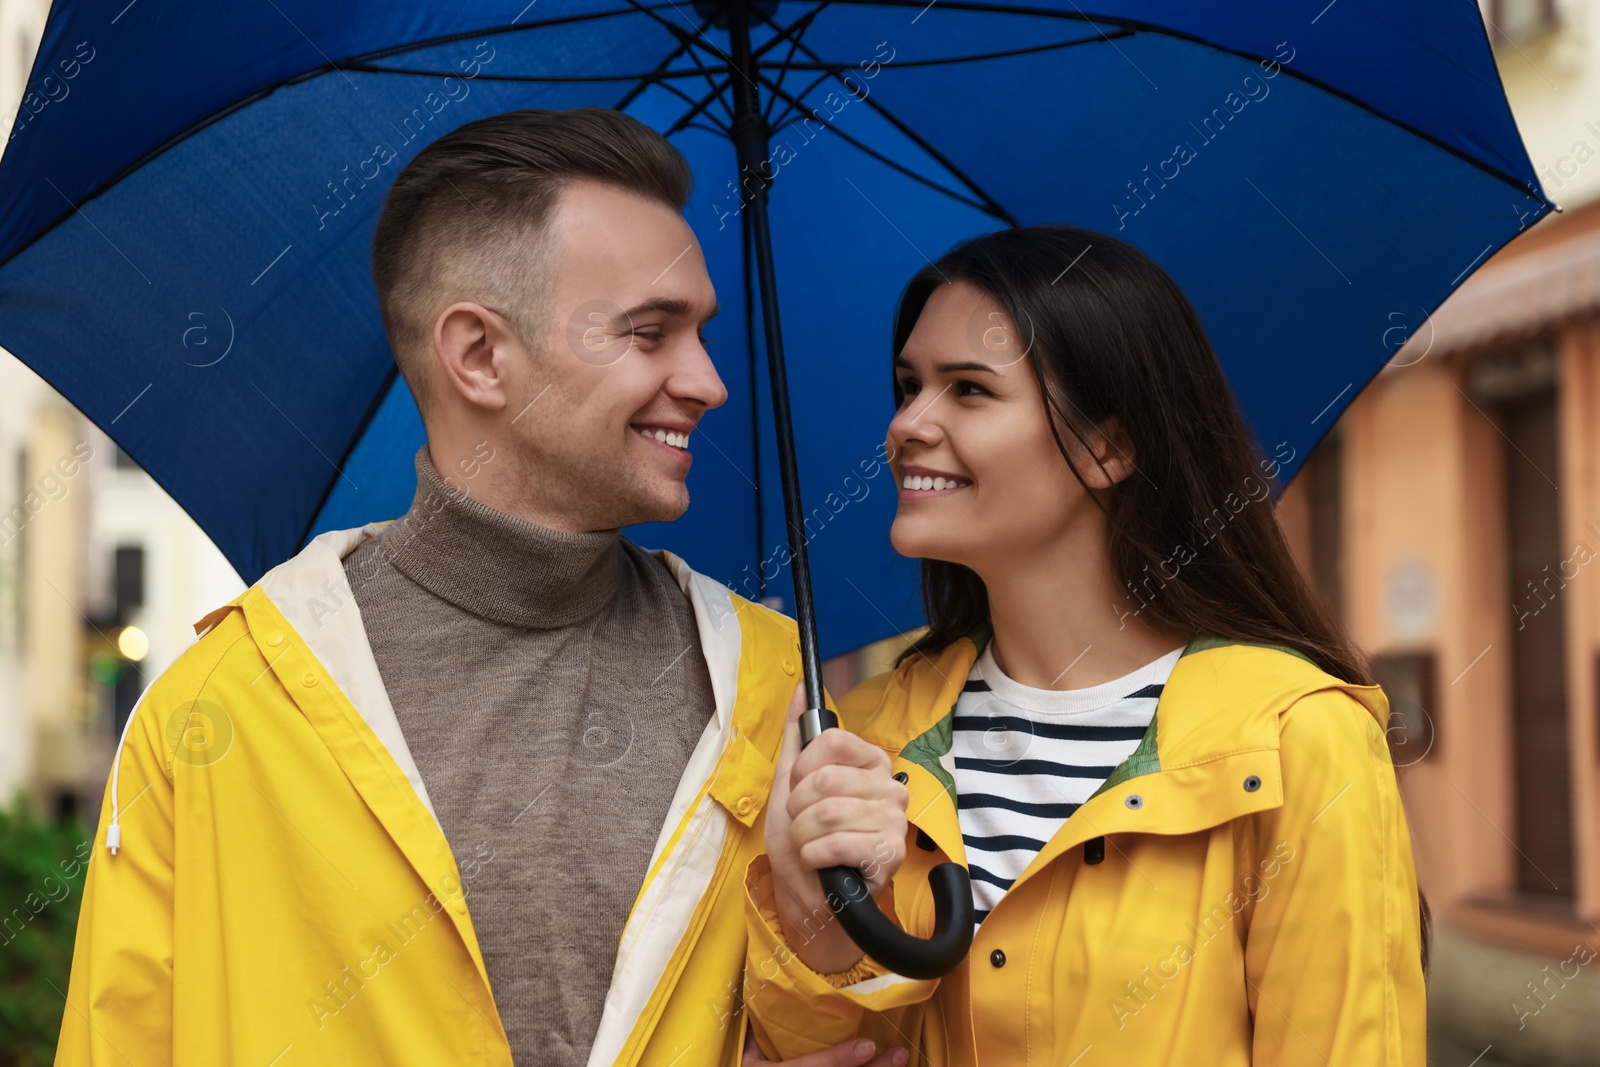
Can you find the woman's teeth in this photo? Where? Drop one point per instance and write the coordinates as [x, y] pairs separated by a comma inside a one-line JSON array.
[[676, 440], [922, 481]]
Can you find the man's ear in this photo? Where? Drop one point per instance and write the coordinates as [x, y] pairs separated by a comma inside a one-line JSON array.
[[1112, 457], [472, 346]]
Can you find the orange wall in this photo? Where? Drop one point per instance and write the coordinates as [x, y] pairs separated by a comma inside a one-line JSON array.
[[1423, 487], [1580, 522]]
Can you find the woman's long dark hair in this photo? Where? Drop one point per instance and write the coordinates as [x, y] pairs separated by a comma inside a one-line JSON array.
[[1113, 336], [1193, 538]]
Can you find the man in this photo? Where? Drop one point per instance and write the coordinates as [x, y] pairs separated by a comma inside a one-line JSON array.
[[496, 699]]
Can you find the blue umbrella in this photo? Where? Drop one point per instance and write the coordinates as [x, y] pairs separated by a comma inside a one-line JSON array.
[[189, 193]]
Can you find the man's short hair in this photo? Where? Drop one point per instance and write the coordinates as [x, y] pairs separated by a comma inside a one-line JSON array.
[[467, 219]]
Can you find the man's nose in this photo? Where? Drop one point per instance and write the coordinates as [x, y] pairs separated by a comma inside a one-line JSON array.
[[696, 378]]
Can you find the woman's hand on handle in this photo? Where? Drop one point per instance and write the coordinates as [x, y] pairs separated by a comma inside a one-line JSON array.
[[833, 804]]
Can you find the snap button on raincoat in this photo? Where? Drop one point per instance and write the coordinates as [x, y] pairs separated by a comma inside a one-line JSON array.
[[1255, 905], [281, 893]]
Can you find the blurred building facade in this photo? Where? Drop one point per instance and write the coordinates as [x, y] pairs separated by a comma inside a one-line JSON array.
[[1453, 518], [41, 687], [101, 574]]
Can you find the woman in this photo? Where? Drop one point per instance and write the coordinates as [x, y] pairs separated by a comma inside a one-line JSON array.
[[1159, 756]]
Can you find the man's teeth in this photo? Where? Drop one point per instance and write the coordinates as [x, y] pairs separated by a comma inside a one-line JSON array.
[[676, 440], [922, 481]]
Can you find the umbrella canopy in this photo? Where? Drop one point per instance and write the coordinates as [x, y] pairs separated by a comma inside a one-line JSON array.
[[189, 192]]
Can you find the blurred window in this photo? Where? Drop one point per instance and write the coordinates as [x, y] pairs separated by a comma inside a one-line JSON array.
[[1514, 21], [1408, 682], [1521, 387]]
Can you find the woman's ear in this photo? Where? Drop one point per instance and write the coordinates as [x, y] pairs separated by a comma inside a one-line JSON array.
[[1111, 454]]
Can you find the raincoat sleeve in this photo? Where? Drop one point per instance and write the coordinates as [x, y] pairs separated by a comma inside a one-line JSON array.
[[1332, 950], [119, 998], [794, 1010]]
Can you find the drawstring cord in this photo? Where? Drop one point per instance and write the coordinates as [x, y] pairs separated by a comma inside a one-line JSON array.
[[114, 830]]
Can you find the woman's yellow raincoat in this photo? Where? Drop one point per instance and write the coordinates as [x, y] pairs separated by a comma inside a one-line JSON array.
[[1256, 902], [281, 894]]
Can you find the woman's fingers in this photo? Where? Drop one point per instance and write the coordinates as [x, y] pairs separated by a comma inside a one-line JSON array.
[[837, 780], [846, 815], [838, 746], [876, 855]]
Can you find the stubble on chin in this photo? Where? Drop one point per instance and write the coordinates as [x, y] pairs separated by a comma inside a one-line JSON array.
[[612, 492]]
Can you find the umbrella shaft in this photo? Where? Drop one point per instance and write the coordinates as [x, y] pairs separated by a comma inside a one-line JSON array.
[[751, 146]]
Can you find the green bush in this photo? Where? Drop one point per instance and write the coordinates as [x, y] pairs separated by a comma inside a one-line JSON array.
[[42, 868]]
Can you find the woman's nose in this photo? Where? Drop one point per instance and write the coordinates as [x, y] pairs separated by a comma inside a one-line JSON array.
[[914, 423]]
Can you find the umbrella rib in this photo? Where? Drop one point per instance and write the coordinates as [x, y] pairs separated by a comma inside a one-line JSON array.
[[783, 33], [1001, 9], [794, 31], [952, 60], [989, 205], [795, 102], [686, 38], [694, 56], [835, 68], [886, 161], [699, 106], [719, 131], [686, 46], [647, 77], [633, 8], [665, 63], [1141, 25]]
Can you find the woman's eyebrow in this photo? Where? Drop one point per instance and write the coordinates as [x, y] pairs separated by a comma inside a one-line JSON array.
[[950, 368]]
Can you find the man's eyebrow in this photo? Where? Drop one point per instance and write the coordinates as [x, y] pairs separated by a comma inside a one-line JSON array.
[[949, 368], [667, 305]]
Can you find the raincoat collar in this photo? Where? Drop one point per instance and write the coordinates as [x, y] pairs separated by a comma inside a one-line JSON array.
[[311, 594], [1210, 753]]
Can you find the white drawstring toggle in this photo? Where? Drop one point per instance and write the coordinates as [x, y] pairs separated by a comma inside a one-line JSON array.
[[113, 828]]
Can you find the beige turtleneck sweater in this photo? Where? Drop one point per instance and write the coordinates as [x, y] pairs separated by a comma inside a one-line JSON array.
[[551, 688]]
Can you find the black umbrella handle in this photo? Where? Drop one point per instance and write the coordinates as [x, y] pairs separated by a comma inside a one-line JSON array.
[[845, 888], [848, 895], [891, 946]]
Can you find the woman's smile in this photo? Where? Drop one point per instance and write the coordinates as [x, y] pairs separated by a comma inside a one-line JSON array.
[[921, 483]]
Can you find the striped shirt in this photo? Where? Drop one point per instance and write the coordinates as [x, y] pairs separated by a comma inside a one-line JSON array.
[[1026, 759]]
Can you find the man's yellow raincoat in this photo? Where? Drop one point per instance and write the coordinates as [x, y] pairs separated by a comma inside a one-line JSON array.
[[281, 894], [1256, 902]]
